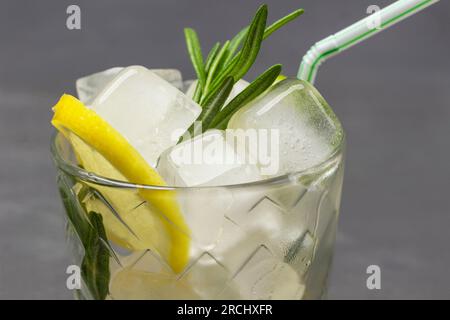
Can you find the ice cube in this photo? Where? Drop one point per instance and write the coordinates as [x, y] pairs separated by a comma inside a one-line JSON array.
[[187, 85], [90, 86], [173, 76], [238, 87], [308, 129], [204, 216], [244, 231], [207, 276], [233, 246], [149, 112], [207, 160], [265, 277], [285, 234], [264, 215]]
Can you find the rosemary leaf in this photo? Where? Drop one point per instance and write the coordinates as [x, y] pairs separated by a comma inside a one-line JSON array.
[[257, 87], [214, 103], [195, 53], [250, 48], [197, 92], [95, 264], [281, 22], [211, 55], [75, 213], [236, 42], [217, 61]]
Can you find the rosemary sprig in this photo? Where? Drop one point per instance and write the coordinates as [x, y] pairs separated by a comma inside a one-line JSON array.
[[250, 49], [91, 232], [267, 32], [228, 61]]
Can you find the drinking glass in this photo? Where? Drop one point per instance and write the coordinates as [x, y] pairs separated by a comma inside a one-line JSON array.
[[270, 239]]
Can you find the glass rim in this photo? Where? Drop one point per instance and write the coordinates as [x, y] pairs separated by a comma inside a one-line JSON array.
[[92, 177]]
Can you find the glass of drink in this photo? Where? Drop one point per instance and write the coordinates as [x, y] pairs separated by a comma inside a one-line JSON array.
[[269, 239]]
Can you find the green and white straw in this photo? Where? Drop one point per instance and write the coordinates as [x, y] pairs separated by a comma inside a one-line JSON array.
[[356, 33]]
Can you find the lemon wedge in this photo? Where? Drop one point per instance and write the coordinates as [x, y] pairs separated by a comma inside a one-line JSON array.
[[162, 210]]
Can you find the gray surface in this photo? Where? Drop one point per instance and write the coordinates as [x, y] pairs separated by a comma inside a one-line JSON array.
[[392, 95]]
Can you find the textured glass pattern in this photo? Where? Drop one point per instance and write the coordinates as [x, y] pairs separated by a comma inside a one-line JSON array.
[[266, 240]]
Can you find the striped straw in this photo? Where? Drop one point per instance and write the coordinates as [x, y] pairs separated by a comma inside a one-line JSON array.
[[357, 32]]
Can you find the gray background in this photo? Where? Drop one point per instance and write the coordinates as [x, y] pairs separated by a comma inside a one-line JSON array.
[[392, 94]]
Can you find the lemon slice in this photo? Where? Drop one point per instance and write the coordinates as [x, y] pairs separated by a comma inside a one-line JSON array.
[[125, 217], [72, 115]]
